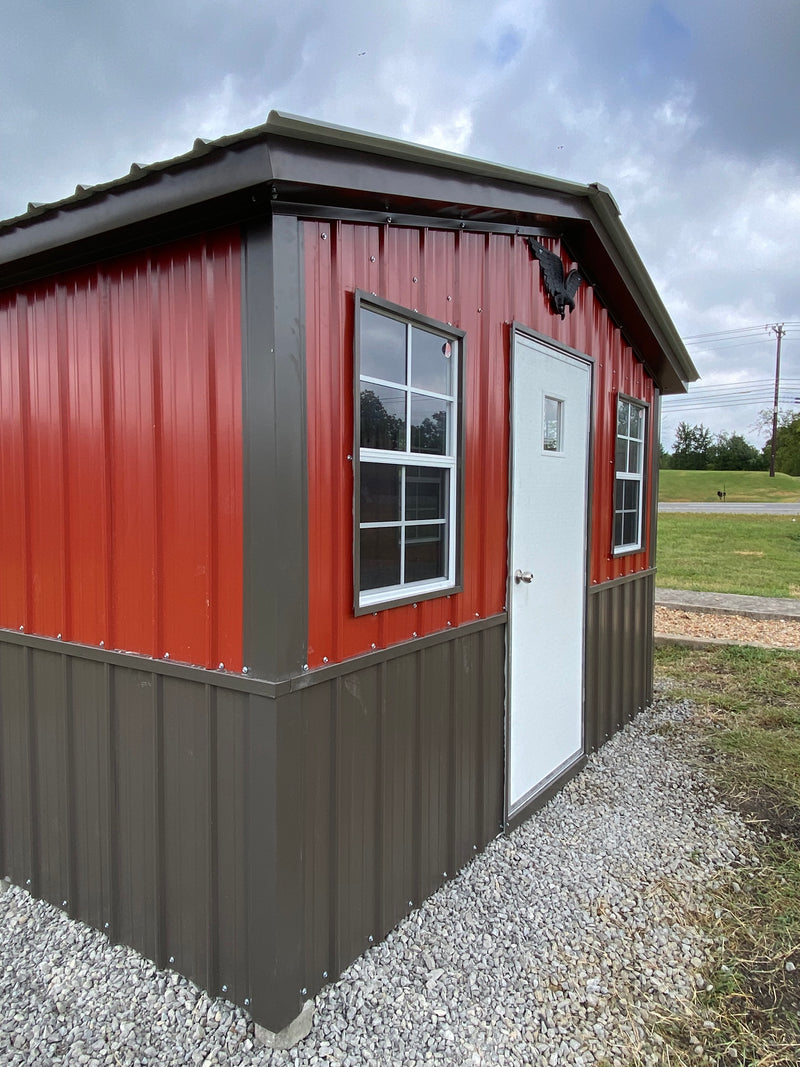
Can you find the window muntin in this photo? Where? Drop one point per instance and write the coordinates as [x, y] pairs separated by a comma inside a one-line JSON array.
[[629, 476], [406, 486]]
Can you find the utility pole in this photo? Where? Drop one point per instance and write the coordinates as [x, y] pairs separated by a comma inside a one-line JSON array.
[[779, 331]]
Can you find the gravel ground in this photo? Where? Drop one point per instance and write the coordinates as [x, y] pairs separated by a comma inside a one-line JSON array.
[[555, 946], [776, 633]]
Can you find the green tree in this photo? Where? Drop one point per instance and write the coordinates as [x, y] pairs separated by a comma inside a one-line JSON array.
[[690, 451], [787, 448], [787, 441], [731, 452]]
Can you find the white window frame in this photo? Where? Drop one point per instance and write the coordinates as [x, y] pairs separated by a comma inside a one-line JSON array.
[[404, 591], [626, 475]]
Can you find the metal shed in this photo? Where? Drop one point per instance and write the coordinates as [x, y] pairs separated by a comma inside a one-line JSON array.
[[328, 539]]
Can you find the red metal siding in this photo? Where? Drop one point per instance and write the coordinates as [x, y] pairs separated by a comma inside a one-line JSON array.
[[121, 456], [480, 283]]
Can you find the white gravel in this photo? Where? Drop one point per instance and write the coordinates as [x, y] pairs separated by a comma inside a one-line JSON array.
[[555, 946]]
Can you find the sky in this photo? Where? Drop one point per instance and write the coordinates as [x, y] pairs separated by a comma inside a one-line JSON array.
[[688, 110]]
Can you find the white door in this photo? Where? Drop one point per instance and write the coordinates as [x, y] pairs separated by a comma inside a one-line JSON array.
[[550, 412]]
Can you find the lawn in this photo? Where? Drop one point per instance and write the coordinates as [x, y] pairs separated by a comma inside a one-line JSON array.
[[754, 554], [747, 720], [739, 486]]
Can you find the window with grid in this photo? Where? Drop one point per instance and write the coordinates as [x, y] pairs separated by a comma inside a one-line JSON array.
[[408, 372], [629, 476]]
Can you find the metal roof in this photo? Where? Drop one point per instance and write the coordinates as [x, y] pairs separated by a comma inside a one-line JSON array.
[[257, 156]]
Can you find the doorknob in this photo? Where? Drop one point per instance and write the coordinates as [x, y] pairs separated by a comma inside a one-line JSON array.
[[523, 576]]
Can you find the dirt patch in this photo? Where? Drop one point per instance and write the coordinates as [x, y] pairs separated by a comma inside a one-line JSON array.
[[776, 633]]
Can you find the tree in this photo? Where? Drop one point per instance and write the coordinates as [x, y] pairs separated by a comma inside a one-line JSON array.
[[690, 451], [787, 447], [731, 452]]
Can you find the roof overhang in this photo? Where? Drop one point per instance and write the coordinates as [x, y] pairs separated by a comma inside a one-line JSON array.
[[294, 165]]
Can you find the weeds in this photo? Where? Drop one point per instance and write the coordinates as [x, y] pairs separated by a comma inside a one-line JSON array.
[[747, 720]]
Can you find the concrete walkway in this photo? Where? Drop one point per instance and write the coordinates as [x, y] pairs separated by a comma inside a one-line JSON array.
[[756, 607]]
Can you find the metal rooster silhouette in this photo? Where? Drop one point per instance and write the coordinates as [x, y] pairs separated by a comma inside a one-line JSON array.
[[560, 289]]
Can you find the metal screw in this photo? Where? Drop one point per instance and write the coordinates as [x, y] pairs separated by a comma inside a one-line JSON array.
[[370, 938], [414, 280], [245, 670], [413, 605], [372, 260], [374, 645], [480, 310], [349, 457], [58, 636], [477, 614], [63, 903], [414, 634], [324, 974], [28, 881], [305, 666], [411, 903], [247, 1002], [221, 667], [388, 218], [224, 989], [105, 926], [449, 298], [166, 655], [324, 236], [324, 659], [444, 874], [449, 623], [22, 629], [102, 643], [172, 959], [303, 991]]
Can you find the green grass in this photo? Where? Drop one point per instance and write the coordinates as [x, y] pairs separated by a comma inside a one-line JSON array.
[[747, 717], [754, 554], [740, 486]]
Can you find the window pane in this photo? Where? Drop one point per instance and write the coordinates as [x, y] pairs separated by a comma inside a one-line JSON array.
[[619, 495], [621, 460], [631, 496], [634, 457], [426, 493], [425, 553], [428, 424], [380, 557], [383, 347], [629, 528], [618, 529], [636, 423], [431, 362], [622, 417], [383, 414], [552, 424], [380, 492]]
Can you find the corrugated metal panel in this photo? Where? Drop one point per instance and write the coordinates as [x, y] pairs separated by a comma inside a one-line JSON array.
[[257, 845], [142, 804], [619, 655], [480, 283], [399, 790], [120, 454]]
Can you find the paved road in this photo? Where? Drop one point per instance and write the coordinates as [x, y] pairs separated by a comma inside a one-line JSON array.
[[734, 509]]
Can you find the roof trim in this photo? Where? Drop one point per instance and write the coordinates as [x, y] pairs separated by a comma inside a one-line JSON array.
[[227, 170]]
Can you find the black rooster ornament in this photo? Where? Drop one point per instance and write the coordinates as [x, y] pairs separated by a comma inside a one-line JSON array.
[[560, 289]]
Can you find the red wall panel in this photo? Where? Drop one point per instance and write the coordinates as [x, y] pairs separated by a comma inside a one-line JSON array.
[[481, 283], [121, 454]]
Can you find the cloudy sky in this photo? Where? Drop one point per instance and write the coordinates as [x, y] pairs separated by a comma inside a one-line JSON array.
[[689, 110]]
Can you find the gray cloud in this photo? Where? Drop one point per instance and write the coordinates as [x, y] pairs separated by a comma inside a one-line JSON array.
[[686, 110]]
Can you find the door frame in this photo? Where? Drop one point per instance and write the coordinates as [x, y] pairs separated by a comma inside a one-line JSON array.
[[555, 782]]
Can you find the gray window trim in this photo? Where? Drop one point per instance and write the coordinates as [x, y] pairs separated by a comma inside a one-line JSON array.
[[631, 550], [407, 316]]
